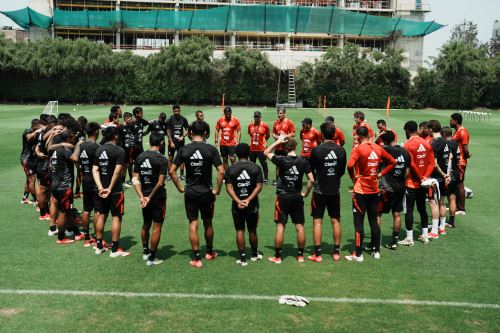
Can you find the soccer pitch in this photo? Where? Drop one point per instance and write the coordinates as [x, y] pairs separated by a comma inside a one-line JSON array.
[[449, 285]]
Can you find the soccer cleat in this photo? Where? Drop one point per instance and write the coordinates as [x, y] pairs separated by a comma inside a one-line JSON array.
[[406, 242], [154, 262], [196, 263], [423, 239], [126, 185], [104, 245], [37, 208], [368, 247], [168, 178], [45, 217], [77, 195], [26, 202], [52, 233], [265, 181], [64, 241], [431, 235], [450, 225], [129, 183], [145, 256], [336, 256], [119, 253], [460, 212], [442, 231], [99, 251], [354, 257], [182, 177], [256, 258], [89, 242], [275, 260], [69, 233], [79, 237], [241, 263], [376, 255], [391, 246], [211, 256], [315, 258], [300, 258]]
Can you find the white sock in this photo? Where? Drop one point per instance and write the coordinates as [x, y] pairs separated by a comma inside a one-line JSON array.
[[435, 223], [442, 223], [425, 231], [409, 234]]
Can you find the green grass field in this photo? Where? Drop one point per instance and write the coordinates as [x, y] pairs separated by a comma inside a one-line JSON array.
[[459, 267]]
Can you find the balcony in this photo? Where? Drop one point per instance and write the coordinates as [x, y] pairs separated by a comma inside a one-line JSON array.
[[368, 5]]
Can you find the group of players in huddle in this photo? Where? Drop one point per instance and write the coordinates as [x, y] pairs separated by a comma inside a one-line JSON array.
[[386, 176]]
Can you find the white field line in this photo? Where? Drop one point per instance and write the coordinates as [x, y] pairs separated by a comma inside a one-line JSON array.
[[376, 301]]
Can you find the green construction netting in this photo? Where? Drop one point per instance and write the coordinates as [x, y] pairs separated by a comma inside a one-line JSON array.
[[257, 18], [27, 17]]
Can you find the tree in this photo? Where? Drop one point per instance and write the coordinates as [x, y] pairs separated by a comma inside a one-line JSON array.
[[465, 32]]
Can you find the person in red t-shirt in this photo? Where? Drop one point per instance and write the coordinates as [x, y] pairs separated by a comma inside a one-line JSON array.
[[382, 128], [363, 166], [359, 119], [310, 137], [461, 136], [259, 133], [339, 137], [282, 125], [421, 167], [425, 132], [230, 136]]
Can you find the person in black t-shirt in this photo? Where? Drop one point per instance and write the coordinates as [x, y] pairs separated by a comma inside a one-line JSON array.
[[108, 163], [87, 155], [138, 131], [177, 129], [289, 199], [438, 144], [328, 162], [243, 184], [200, 116], [82, 121], [62, 172], [199, 194], [158, 126], [150, 171], [127, 143], [28, 160], [393, 187], [453, 170]]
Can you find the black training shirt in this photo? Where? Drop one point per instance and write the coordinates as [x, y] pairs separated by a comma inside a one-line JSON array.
[[61, 168], [244, 175], [328, 161], [107, 157], [87, 156], [150, 165], [291, 171], [394, 181]]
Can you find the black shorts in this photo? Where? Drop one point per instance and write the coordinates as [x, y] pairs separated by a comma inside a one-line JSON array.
[[156, 208], [202, 203], [136, 151], [226, 151], [289, 204], [390, 201], [64, 199], [321, 201], [90, 199], [28, 167], [280, 152], [115, 203], [172, 151], [447, 189], [248, 216], [44, 178]]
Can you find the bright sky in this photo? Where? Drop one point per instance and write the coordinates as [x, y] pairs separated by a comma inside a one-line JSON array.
[[448, 12]]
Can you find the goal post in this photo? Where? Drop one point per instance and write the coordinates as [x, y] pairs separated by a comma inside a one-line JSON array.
[[52, 107]]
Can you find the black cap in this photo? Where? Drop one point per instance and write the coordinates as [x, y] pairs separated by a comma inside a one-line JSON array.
[[257, 114], [307, 121]]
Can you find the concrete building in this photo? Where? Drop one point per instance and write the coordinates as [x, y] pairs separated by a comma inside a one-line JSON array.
[[496, 29]]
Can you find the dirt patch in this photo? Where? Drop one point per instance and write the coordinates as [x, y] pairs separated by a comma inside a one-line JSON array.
[[9, 312]]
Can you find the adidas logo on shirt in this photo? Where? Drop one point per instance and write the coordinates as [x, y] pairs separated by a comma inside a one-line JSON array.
[[103, 156], [54, 155], [331, 156], [196, 155], [373, 156], [243, 175], [84, 154], [146, 164], [446, 148], [293, 170], [421, 148], [400, 159]]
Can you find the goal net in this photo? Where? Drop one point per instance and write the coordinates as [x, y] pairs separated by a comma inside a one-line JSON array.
[[52, 107]]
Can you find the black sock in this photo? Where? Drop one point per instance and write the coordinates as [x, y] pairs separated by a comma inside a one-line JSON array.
[[317, 250], [87, 233], [77, 190], [209, 249], [99, 243], [114, 246], [26, 195], [336, 249], [123, 179], [53, 227], [43, 211], [395, 236], [243, 256], [255, 253], [145, 248], [61, 234], [197, 255], [300, 252], [76, 230], [277, 252], [33, 198], [359, 251], [152, 255], [452, 220]]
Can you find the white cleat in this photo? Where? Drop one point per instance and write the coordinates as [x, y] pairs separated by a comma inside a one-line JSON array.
[[257, 258], [376, 255], [241, 263], [353, 257], [406, 242], [145, 256], [119, 253], [154, 262], [423, 239], [52, 233], [99, 251]]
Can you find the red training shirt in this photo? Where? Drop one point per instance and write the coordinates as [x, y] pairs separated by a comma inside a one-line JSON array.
[[379, 140], [355, 137], [228, 130], [284, 126], [258, 136], [461, 136], [339, 137], [422, 161], [310, 139]]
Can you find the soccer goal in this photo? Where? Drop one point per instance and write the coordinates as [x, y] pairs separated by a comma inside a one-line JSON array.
[[52, 107]]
